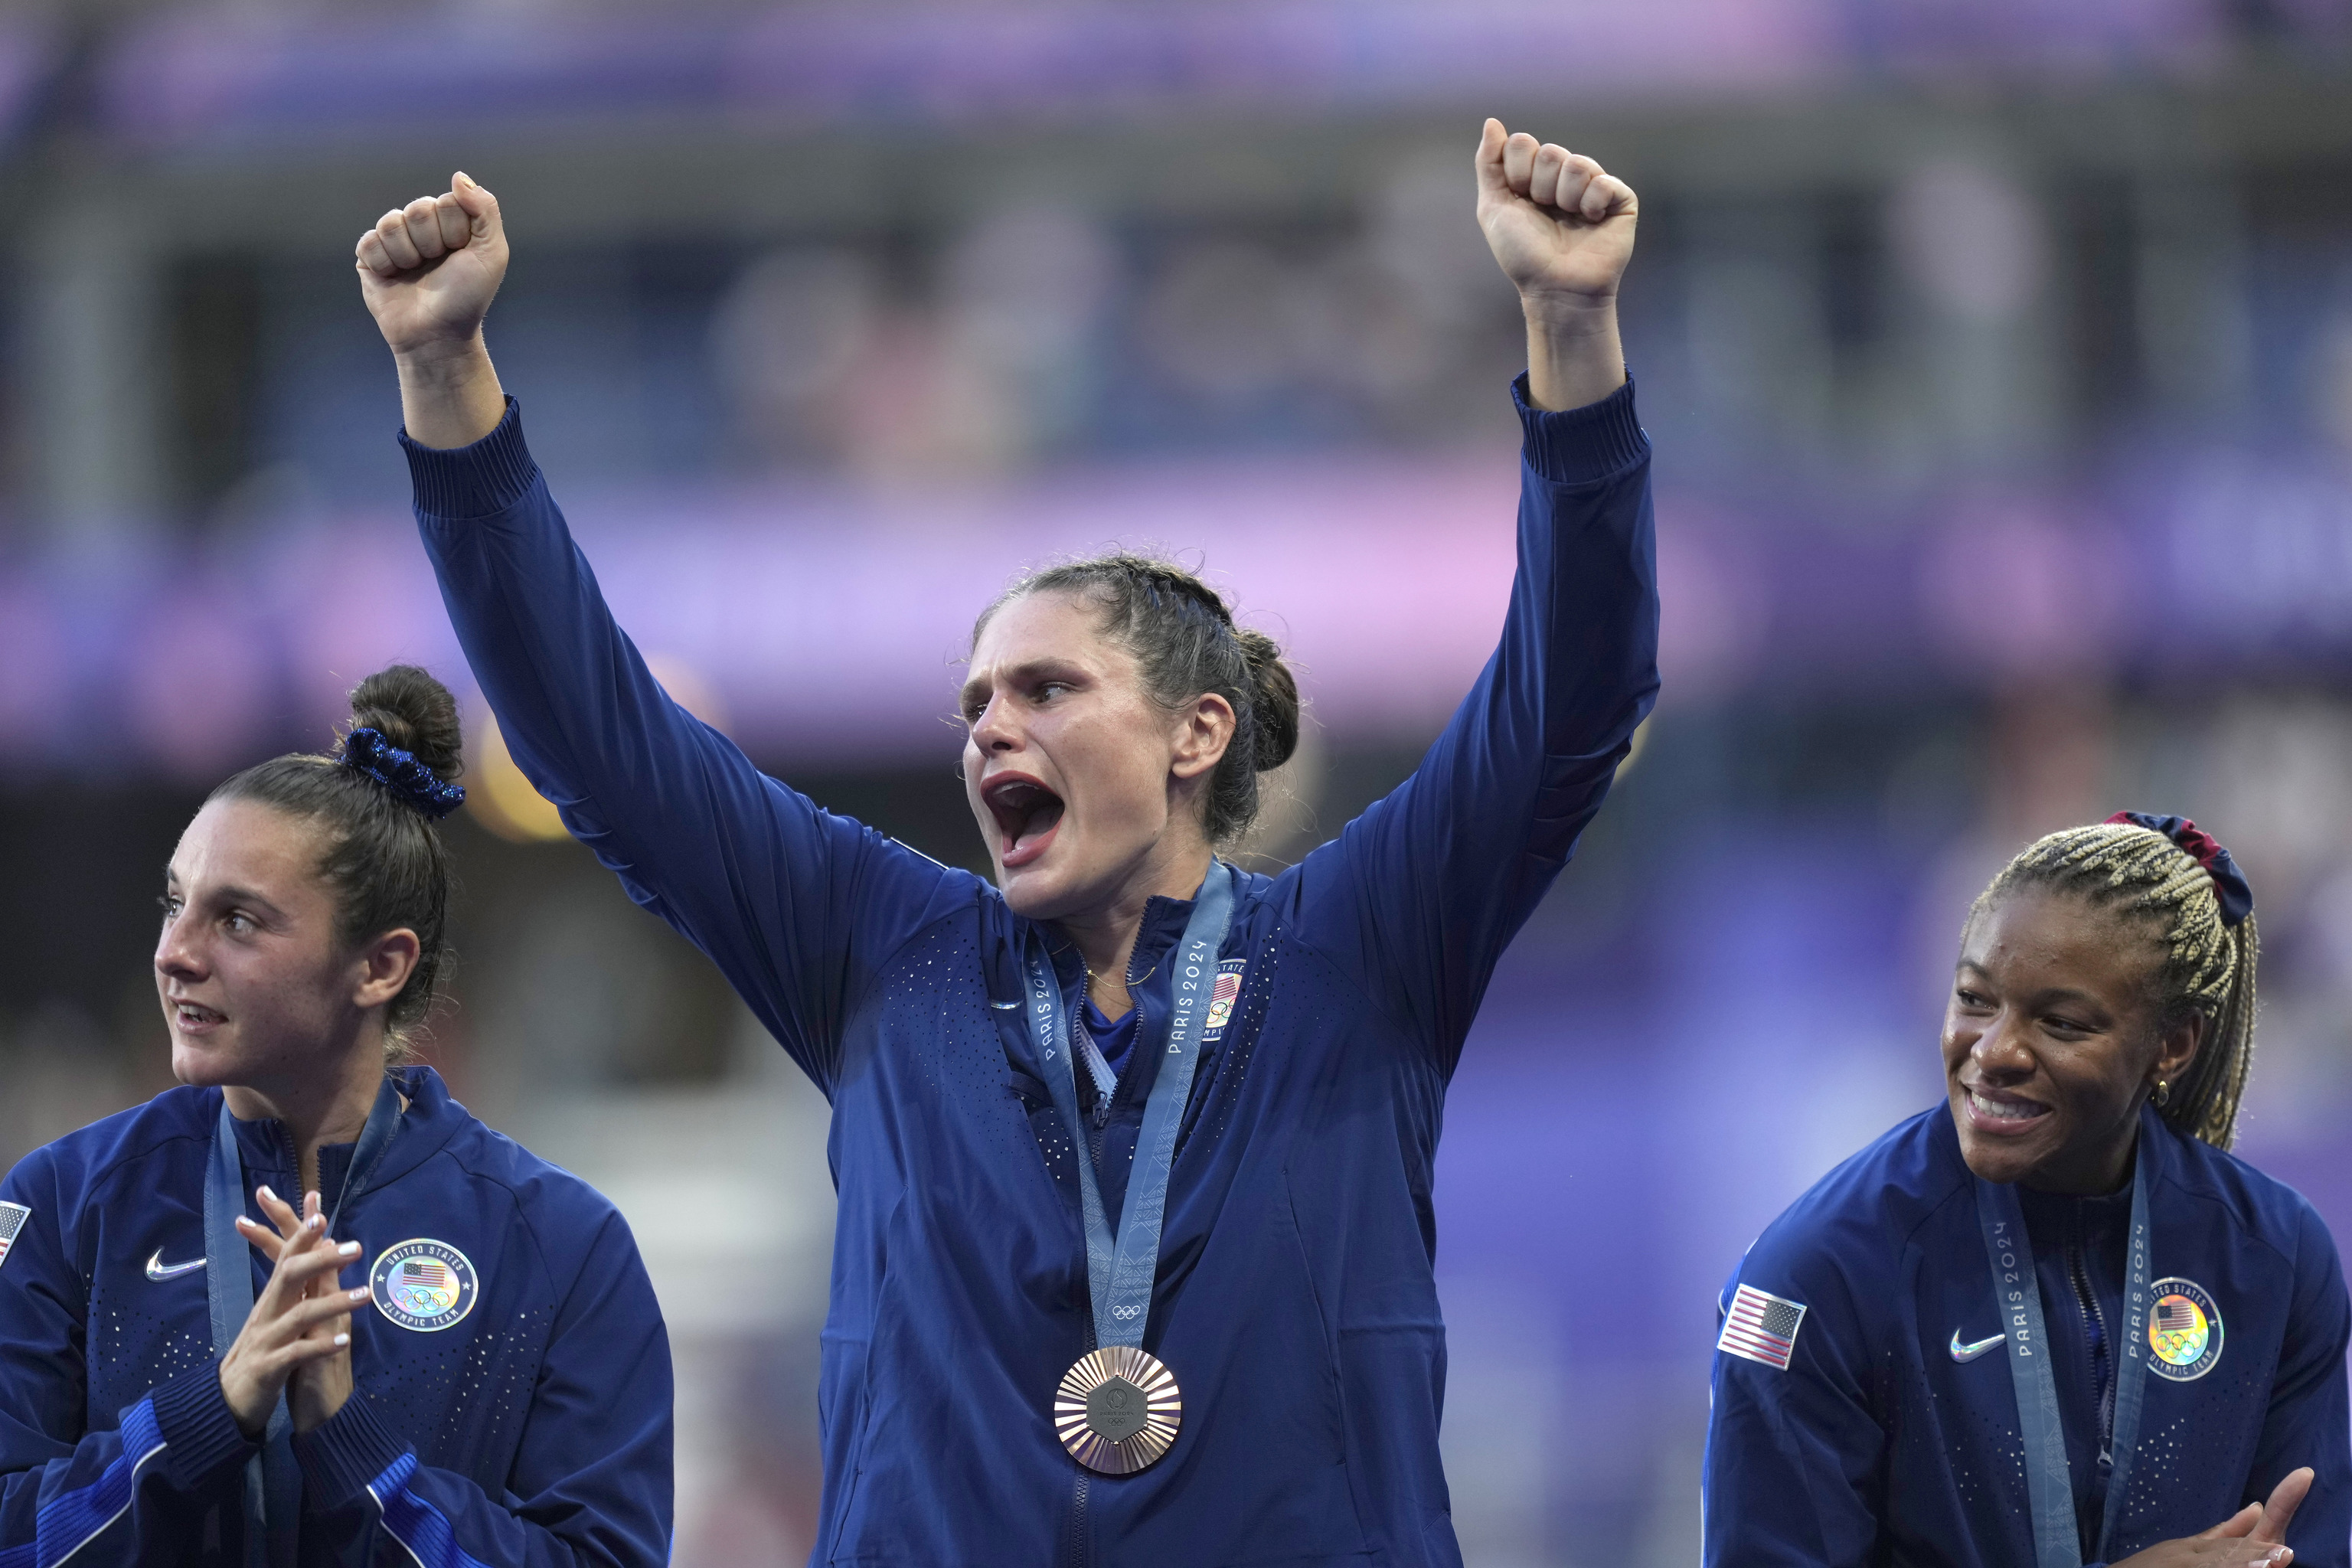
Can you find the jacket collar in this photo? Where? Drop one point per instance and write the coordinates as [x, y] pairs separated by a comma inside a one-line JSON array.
[[1163, 928], [427, 1124]]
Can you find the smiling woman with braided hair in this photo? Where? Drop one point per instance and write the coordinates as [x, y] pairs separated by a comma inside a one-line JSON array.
[[1134, 1149], [2052, 1320]]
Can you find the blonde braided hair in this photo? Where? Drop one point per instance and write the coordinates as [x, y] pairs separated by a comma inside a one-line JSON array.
[[2209, 966]]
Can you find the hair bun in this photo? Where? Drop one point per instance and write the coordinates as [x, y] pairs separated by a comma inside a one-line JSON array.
[[1274, 697], [414, 713]]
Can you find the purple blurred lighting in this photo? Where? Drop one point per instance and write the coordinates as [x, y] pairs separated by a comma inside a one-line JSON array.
[[828, 619], [218, 75]]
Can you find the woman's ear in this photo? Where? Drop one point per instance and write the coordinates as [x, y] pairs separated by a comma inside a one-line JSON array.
[[2176, 1048], [386, 965], [1203, 731]]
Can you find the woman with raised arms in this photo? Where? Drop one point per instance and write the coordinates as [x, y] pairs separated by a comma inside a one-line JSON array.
[[2051, 1321], [1133, 1148], [449, 1356]]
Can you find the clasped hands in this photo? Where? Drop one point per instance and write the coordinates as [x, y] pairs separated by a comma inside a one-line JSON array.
[[297, 1339]]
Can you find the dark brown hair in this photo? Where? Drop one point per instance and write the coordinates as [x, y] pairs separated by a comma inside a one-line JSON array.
[[383, 857]]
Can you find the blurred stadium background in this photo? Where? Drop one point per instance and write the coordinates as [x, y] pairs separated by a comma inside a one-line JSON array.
[[1999, 356]]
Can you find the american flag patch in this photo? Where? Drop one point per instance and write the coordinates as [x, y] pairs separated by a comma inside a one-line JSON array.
[[1761, 1327], [422, 1271], [12, 1220]]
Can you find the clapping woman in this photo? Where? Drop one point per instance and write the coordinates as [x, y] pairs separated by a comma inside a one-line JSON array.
[[2052, 1320], [445, 1352]]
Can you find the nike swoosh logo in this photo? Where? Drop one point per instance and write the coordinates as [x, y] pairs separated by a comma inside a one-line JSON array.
[[1004, 1006], [1971, 1352], [158, 1269]]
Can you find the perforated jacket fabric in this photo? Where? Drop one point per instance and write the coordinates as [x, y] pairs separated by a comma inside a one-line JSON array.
[[1295, 1301], [1880, 1444], [533, 1430]]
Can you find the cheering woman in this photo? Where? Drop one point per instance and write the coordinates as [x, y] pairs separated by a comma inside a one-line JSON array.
[[449, 1355], [1133, 1148], [2053, 1322]]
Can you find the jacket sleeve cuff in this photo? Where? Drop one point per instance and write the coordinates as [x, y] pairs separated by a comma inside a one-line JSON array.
[[200, 1436], [1582, 445], [480, 480], [342, 1454]]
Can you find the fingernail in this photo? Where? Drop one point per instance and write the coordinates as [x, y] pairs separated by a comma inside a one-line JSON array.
[[342, 1339], [265, 1192], [316, 1222], [361, 1294], [349, 1249]]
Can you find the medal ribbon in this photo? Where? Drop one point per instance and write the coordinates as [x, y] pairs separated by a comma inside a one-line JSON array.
[[1121, 1269], [2057, 1542], [273, 1484]]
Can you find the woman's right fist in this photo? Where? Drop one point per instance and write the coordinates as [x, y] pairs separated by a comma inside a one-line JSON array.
[[429, 270]]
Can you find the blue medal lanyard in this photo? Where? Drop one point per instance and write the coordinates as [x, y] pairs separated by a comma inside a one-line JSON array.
[[1121, 1269], [2057, 1543], [273, 1485]]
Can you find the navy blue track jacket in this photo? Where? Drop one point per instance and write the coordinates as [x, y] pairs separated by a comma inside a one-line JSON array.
[[1294, 1300], [1893, 1437], [532, 1432]]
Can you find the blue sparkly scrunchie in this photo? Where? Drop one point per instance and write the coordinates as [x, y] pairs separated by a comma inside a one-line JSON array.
[[2236, 894], [366, 750]]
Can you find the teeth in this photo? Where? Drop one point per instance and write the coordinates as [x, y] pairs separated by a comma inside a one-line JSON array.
[[2002, 1110]]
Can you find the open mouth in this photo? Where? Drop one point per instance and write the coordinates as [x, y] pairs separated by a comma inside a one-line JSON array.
[[1027, 815], [1997, 1112], [194, 1019]]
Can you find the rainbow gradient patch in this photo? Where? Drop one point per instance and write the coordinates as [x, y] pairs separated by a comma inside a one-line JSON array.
[[2184, 1330], [423, 1285]]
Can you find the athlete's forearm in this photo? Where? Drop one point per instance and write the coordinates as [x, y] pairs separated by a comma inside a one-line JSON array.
[[449, 394], [1574, 357]]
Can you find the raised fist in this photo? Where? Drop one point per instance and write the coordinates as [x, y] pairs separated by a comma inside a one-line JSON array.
[[1559, 224], [429, 270]]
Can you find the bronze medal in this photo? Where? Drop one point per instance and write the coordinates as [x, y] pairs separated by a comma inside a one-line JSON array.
[[1118, 1410]]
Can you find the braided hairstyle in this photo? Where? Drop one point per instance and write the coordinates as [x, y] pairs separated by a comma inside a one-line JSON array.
[[383, 859], [1186, 646], [2208, 964]]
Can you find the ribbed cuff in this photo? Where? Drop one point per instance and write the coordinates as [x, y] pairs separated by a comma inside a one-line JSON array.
[[342, 1454], [480, 480], [200, 1433], [1582, 445]]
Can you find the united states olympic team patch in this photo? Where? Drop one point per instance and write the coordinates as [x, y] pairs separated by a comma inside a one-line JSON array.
[[2184, 1331], [1222, 998], [423, 1285]]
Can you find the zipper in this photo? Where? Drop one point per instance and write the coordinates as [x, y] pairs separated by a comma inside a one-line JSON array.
[[1080, 1553], [2101, 1367], [2092, 1532]]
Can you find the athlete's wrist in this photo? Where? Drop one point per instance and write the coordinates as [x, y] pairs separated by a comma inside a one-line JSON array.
[[249, 1403]]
